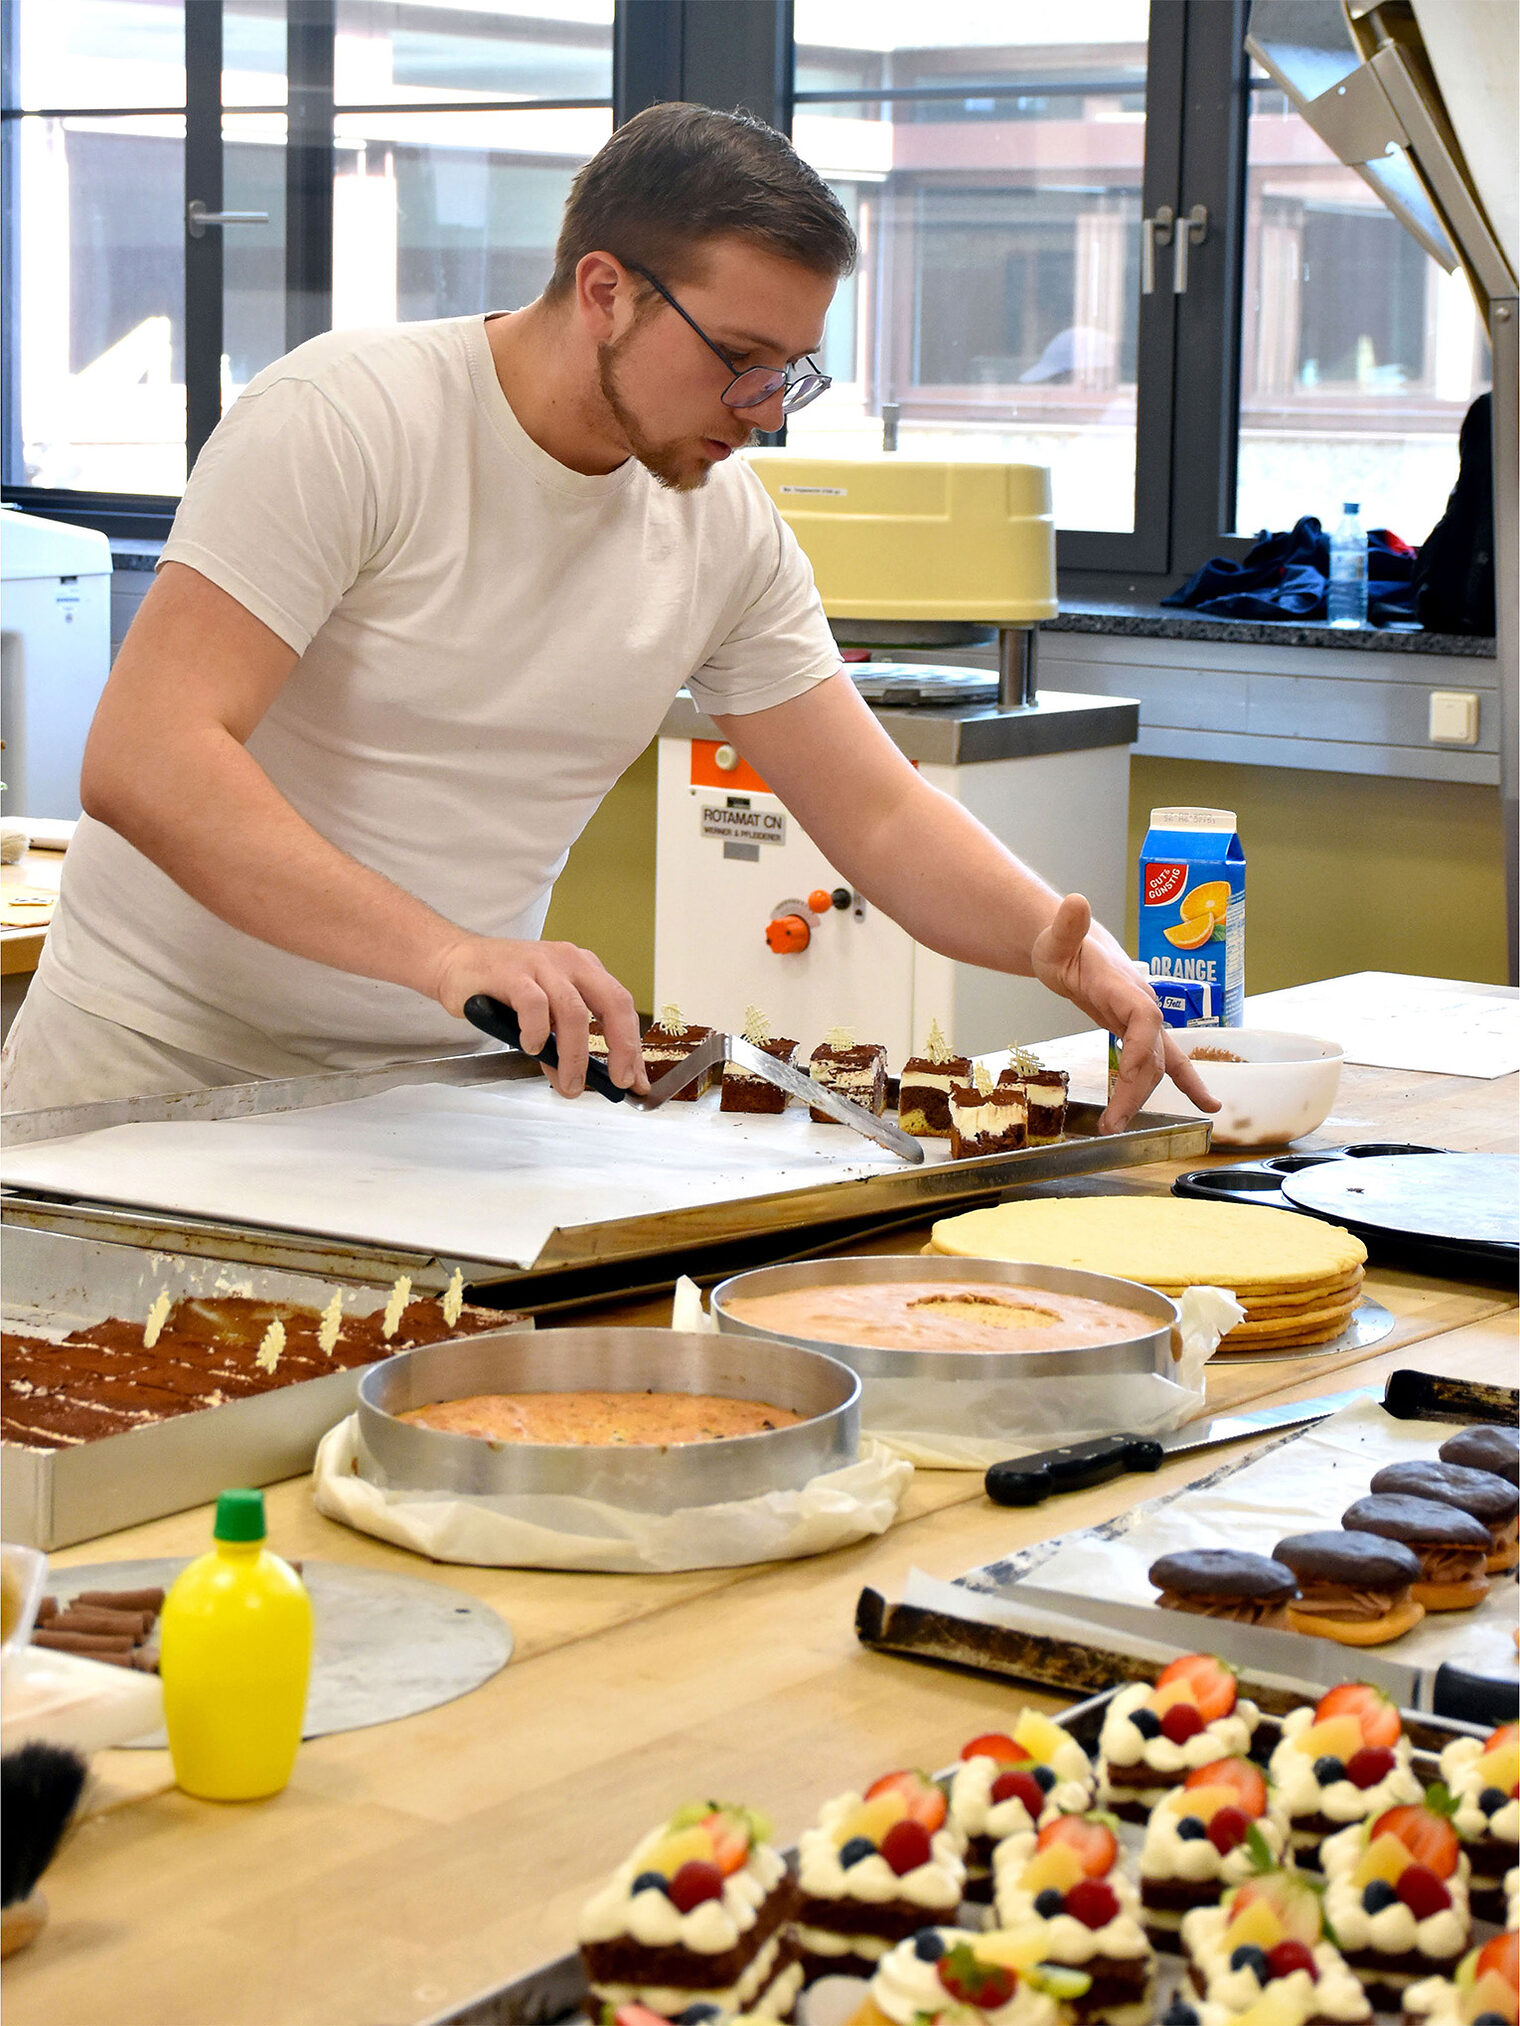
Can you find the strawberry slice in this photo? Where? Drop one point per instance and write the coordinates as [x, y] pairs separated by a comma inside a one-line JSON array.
[[1212, 1683], [1245, 1781], [1426, 1835], [995, 1745], [731, 1839], [1503, 1955], [925, 1802], [1376, 1713], [1089, 1836], [1506, 1734], [970, 1981], [637, 2015]]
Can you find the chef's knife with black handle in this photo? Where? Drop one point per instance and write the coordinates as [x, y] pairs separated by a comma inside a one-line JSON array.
[[1026, 1480]]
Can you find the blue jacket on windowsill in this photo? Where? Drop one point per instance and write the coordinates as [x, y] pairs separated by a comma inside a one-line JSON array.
[[1285, 577]]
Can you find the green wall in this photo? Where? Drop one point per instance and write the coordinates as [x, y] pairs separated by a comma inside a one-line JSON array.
[[1345, 872]]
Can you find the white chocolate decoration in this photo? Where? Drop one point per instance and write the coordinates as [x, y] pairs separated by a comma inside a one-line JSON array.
[[670, 1021], [981, 1076], [267, 1357], [332, 1322], [395, 1308], [839, 1039], [757, 1029], [453, 1297], [158, 1315], [936, 1048]]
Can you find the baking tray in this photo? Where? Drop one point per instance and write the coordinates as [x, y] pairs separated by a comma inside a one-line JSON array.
[[557, 1991], [53, 1498], [642, 1477], [616, 1257]]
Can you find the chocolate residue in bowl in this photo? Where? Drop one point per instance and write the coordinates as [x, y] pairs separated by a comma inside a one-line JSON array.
[[1214, 1055]]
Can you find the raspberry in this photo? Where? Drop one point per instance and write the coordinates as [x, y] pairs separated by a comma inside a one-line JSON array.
[[1093, 1902], [1181, 1722], [694, 1882], [1227, 1827], [1422, 1892], [1372, 1763], [906, 1845], [1289, 1956], [1020, 1785]]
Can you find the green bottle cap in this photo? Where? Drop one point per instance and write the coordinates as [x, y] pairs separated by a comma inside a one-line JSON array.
[[239, 1516]]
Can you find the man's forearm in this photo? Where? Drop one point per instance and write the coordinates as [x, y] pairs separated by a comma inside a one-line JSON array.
[[204, 811]]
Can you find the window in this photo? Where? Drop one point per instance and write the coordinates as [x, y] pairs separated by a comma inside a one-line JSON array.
[[451, 130]]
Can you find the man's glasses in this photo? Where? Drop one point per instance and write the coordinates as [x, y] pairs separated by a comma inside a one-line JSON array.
[[759, 383]]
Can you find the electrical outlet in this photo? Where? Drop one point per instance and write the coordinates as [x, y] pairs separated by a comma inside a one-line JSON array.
[[1453, 717]]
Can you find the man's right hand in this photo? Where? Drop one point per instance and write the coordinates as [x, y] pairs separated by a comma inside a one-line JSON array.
[[553, 988]]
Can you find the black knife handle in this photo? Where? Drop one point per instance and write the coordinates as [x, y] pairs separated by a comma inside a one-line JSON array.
[[496, 1018], [1026, 1480], [1472, 1698]]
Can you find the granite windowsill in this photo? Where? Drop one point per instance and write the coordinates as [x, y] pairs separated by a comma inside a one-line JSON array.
[[1165, 622]]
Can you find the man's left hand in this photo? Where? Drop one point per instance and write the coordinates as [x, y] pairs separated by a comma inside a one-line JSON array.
[[1083, 963]]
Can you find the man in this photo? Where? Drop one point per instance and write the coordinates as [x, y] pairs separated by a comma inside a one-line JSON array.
[[430, 590]]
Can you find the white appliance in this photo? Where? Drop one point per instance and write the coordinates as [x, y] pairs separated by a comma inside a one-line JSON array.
[[55, 655], [749, 912]]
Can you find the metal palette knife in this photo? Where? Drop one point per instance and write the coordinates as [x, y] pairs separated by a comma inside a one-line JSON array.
[[492, 1017]]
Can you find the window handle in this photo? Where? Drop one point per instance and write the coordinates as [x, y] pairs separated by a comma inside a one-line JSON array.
[[1191, 231], [197, 218], [1154, 231]]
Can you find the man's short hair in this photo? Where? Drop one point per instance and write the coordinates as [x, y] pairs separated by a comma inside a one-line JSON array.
[[676, 176]]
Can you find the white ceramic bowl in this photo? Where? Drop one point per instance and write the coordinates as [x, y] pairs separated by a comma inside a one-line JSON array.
[[1282, 1088]]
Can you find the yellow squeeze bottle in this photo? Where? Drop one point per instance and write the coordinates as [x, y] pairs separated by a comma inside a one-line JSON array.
[[235, 1658]]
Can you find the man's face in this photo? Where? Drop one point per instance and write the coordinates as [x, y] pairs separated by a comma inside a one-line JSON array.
[[664, 387]]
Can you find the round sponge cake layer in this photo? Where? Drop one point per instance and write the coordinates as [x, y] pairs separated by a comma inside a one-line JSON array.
[[1159, 1240]]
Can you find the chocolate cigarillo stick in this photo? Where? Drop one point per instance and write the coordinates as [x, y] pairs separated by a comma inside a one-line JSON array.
[[97, 1645], [48, 1608], [123, 1600], [94, 1619]]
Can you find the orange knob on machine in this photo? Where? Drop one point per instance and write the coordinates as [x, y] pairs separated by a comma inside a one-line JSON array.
[[787, 934], [820, 900]]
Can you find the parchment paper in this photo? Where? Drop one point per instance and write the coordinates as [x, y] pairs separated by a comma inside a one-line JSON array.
[[480, 1174], [1299, 1487]]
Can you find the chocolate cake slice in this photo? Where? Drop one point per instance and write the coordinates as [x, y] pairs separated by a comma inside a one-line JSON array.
[[857, 1070]]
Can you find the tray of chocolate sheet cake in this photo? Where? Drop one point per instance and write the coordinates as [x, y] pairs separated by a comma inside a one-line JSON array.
[[135, 1383]]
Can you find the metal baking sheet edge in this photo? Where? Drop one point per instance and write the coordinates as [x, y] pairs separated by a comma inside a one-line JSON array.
[[942, 1186]]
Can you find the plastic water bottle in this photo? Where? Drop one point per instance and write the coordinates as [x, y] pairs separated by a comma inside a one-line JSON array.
[[1347, 594]]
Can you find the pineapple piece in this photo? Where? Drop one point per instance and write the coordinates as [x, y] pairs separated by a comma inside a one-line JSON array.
[[1174, 1692], [1257, 1923], [872, 1819], [1501, 1768], [1057, 1866], [1206, 1802], [1011, 1948], [1385, 1857], [1277, 2006], [1338, 1737], [1041, 1738], [678, 1847]]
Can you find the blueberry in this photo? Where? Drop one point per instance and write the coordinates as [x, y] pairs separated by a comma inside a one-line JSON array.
[[651, 1879], [855, 1849], [1044, 1778], [1490, 2019], [1179, 2013], [1249, 1957], [1329, 1769], [1192, 1829], [1492, 1799], [928, 1945], [1378, 1895], [1146, 1722], [1049, 1902], [695, 2015]]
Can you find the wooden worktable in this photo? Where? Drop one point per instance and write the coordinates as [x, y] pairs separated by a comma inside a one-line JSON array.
[[411, 1866]]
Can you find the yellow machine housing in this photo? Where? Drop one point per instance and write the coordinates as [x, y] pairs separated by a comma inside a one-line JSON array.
[[891, 537]]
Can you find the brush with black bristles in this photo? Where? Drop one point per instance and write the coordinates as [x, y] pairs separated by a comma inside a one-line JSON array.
[[40, 1787]]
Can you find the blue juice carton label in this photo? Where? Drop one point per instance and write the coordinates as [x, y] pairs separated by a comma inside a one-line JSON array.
[[1184, 1002], [1193, 907]]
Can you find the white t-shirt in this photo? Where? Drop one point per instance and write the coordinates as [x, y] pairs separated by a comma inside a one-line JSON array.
[[487, 641]]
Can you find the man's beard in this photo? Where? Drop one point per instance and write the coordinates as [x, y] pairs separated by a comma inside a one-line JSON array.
[[675, 465]]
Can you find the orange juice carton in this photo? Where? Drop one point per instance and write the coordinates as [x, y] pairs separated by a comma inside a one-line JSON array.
[[1193, 908], [1184, 1002]]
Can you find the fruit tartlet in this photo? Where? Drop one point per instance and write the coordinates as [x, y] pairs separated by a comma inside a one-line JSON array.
[[875, 1869], [1483, 1992], [1267, 1936], [1066, 1876], [697, 1915], [947, 1976], [1203, 1837], [1152, 1738], [1396, 1897], [1343, 1761], [1006, 1785], [1484, 1781]]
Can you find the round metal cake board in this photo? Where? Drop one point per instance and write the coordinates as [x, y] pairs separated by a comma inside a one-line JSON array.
[[386, 1646], [1369, 1324], [1449, 1199]]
